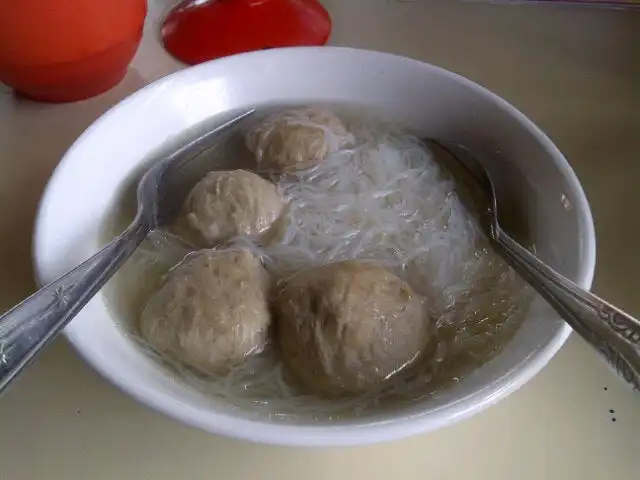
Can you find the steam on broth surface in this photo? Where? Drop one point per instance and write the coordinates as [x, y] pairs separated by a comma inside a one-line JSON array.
[[381, 198]]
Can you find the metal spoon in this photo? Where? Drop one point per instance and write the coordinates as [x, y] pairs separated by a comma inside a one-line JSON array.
[[612, 332], [29, 326]]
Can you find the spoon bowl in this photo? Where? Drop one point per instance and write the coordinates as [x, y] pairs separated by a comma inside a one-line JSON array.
[[610, 331]]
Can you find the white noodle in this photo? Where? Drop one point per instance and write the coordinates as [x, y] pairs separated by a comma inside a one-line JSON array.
[[385, 200]]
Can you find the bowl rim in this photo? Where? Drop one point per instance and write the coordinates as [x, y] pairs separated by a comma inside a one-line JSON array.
[[340, 435]]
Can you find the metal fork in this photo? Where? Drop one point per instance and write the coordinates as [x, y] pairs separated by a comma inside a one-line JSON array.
[[612, 332], [32, 324]]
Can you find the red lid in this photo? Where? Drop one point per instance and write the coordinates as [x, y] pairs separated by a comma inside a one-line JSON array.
[[199, 30]]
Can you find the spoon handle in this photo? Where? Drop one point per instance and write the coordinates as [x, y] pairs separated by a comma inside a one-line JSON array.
[[29, 326], [614, 333]]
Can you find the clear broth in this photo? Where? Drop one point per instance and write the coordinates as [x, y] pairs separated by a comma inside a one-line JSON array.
[[469, 334]]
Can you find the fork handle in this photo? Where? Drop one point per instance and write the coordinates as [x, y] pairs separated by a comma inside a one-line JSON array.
[[612, 332], [29, 326]]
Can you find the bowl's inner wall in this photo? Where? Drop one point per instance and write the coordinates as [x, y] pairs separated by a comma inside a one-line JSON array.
[[528, 170]]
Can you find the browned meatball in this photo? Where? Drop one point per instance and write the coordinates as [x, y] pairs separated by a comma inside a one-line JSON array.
[[349, 326], [297, 139], [212, 311], [229, 203]]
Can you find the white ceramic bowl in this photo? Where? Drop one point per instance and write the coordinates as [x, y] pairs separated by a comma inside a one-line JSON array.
[[534, 175]]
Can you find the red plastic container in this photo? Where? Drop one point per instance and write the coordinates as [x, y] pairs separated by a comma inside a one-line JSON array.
[[196, 31], [68, 50]]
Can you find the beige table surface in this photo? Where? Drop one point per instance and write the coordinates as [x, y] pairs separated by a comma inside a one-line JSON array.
[[575, 72]]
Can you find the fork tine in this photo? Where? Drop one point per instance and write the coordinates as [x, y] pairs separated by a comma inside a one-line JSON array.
[[206, 141]]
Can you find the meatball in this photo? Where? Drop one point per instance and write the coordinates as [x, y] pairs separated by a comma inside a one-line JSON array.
[[211, 312], [348, 326], [229, 203], [297, 139]]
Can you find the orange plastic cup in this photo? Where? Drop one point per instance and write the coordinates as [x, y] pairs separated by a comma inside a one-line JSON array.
[[68, 50]]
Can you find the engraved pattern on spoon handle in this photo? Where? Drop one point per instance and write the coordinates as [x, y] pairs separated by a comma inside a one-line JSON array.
[[29, 326], [615, 334]]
